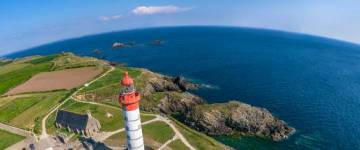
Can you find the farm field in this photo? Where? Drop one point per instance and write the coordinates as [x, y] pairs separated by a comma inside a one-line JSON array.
[[55, 80], [13, 78], [25, 111], [7, 139]]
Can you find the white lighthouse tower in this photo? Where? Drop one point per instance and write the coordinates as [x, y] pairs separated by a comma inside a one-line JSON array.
[[129, 99]]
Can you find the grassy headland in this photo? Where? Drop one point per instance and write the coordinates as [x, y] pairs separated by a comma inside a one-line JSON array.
[[27, 110]]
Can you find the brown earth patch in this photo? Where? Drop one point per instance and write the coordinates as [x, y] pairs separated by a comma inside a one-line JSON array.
[[63, 79]]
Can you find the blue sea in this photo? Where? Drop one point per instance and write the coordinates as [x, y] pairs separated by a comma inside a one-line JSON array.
[[310, 82]]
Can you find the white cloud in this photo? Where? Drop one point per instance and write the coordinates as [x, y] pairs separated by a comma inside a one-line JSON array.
[[104, 18], [149, 10], [116, 16], [109, 18]]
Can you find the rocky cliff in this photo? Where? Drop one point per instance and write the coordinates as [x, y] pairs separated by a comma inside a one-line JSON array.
[[237, 118], [214, 119], [172, 90], [179, 103]]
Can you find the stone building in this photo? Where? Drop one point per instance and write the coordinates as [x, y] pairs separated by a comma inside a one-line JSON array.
[[81, 124]]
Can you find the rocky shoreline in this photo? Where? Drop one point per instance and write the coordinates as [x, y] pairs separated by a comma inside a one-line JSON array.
[[235, 117], [229, 118]]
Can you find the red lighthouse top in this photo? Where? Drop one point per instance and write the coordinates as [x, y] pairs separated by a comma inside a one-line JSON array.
[[127, 80], [128, 97]]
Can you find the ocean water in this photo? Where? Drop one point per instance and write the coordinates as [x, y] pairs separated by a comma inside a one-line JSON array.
[[312, 83]]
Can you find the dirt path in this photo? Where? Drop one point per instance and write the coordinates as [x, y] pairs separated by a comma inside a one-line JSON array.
[[168, 142], [109, 106], [177, 132], [43, 121], [16, 130], [30, 137], [22, 144], [103, 136], [94, 103]]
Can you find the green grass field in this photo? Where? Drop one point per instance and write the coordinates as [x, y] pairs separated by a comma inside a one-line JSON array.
[[113, 78], [177, 144], [16, 64], [158, 131], [198, 140], [146, 117], [2, 63], [116, 140], [25, 111], [44, 59], [69, 60], [155, 134], [7, 139], [12, 67], [106, 89]]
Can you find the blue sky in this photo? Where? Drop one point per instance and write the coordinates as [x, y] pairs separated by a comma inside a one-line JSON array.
[[25, 24]]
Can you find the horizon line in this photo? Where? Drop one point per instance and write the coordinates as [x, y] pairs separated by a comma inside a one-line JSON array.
[[179, 26]]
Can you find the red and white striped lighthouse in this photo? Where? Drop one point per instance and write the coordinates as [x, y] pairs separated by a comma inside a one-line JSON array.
[[130, 99]]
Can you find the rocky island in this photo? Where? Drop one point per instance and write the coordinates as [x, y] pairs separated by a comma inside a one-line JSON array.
[[157, 42], [118, 45]]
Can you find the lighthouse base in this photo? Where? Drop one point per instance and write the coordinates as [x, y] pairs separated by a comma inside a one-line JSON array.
[[135, 139]]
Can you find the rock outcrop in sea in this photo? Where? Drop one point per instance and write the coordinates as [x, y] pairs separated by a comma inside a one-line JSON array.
[[157, 42], [118, 45], [96, 51]]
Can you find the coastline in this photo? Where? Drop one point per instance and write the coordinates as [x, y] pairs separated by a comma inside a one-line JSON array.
[[171, 96]]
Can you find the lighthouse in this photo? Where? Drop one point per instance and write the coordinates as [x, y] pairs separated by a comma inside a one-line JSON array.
[[130, 99]]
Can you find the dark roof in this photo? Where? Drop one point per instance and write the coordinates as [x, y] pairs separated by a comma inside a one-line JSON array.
[[73, 120]]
